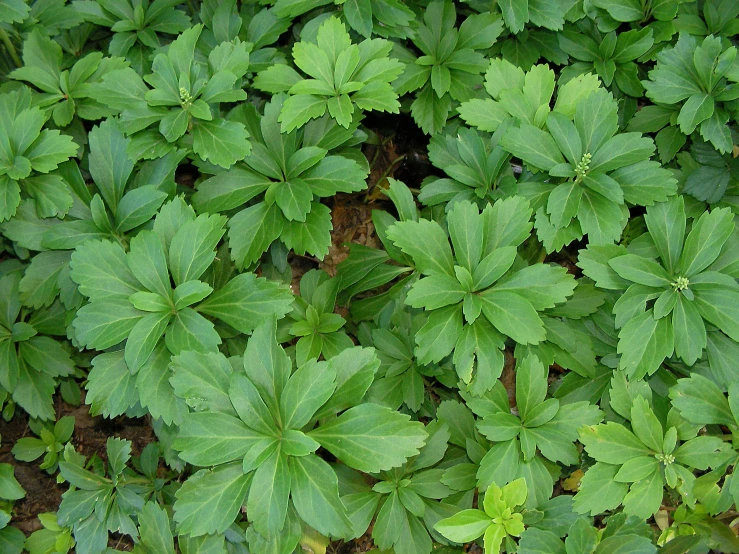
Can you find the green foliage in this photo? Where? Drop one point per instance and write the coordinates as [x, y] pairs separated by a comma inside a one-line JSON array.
[[343, 77], [259, 431], [50, 443], [414, 276]]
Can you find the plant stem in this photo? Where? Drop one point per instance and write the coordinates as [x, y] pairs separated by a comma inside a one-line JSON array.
[[10, 48]]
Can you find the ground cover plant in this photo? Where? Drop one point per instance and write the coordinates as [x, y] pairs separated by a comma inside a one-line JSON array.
[[341, 276]]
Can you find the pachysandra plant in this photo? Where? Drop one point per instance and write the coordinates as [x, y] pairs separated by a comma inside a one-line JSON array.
[[152, 297], [183, 102], [343, 78], [497, 522], [258, 428], [698, 81], [476, 296], [476, 166], [543, 432], [113, 208], [599, 170], [28, 155], [288, 173], [610, 55], [406, 501], [524, 96], [117, 497], [683, 283], [32, 360], [449, 69], [66, 91], [49, 444], [136, 26], [313, 319], [633, 466]]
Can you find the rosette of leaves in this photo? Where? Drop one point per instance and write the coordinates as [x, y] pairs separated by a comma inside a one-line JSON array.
[[114, 207], [50, 443], [366, 17], [477, 301], [313, 319], [404, 501], [523, 95], [717, 17], [475, 165], [258, 428], [66, 91], [400, 378], [28, 153], [95, 504], [289, 173], [602, 171], [530, 444], [610, 55], [10, 490], [52, 538], [225, 21], [497, 523], [368, 268], [671, 291], [621, 532], [135, 25], [697, 82], [183, 102], [449, 69], [633, 465], [32, 360], [342, 78], [152, 297]]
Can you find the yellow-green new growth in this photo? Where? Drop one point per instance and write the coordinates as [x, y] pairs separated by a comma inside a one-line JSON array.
[[499, 519]]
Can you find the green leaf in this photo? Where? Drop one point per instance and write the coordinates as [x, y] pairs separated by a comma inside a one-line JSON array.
[[193, 247], [426, 243], [700, 401], [268, 495], [599, 491], [371, 438], [640, 270], [105, 323], [101, 270], [705, 240], [666, 224], [138, 206], [110, 166], [307, 389], [513, 316], [464, 526], [645, 424], [612, 443], [111, 388], [154, 529], [148, 263], [533, 146], [315, 494], [696, 109], [221, 142], [246, 300], [209, 501], [645, 496]]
